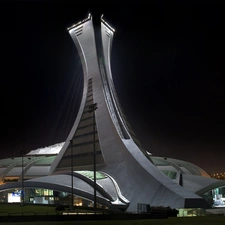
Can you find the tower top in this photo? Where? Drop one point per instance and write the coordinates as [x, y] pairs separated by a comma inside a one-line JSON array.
[[112, 29], [89, 18], [80, 22]]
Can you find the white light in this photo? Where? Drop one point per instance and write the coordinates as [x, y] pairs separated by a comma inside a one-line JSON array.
[[82, 21], [107, 24], [12, 198]]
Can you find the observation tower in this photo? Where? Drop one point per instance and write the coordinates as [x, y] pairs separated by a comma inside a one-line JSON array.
[[101, 137]]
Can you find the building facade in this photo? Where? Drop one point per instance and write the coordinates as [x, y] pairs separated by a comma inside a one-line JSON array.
[[102, 140]]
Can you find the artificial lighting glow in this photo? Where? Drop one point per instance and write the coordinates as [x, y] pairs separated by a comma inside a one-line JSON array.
[[12, 198], [51, 150], [78, 204], [82, 21], [107, 24]]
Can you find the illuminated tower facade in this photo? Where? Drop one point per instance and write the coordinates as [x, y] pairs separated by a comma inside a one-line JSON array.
[[118, 153]]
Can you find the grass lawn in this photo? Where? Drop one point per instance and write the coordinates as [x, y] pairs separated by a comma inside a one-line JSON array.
[[26, 209], [17, 209], [206, 220]]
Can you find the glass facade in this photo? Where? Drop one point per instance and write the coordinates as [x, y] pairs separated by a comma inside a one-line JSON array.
[[216, 197], [191, 212], [170, 174], [44, 196]]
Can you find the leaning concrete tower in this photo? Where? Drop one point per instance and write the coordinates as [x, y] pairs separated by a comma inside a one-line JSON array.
[[101, 128]]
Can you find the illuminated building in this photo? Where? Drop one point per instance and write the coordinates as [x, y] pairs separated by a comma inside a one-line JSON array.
[[126, 173]]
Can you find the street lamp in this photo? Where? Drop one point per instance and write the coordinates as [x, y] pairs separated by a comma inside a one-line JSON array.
[[72, 199], [22, 191], [92, 109]]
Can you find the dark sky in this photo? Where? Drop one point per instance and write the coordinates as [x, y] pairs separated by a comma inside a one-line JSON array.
[[168, 64]]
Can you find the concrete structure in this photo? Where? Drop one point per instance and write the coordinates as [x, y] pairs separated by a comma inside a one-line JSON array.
[[101, 139]]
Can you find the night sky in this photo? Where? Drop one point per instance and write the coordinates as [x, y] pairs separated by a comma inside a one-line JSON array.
[[168, 66]]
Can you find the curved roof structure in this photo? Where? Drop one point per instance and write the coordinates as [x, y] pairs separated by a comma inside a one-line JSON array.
[[108, 192], [179, 165], [36, 174]]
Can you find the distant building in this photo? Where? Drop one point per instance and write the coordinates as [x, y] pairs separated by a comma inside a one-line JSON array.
[[102, 140]]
